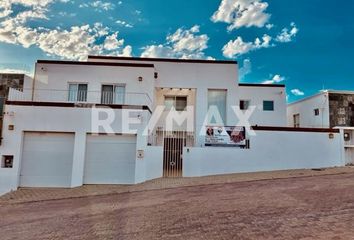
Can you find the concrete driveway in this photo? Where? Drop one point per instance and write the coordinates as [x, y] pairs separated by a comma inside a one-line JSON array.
[[319, 207]]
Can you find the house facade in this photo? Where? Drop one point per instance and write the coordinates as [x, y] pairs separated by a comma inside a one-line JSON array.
[[327, 109], [116, 120]]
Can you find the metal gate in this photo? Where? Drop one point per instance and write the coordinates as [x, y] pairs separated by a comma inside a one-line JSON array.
[[172, 156]]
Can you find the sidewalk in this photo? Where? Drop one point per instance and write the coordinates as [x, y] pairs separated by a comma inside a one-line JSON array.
[[44, 194]]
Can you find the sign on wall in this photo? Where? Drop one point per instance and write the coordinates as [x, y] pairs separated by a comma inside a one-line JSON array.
[[225, 136]]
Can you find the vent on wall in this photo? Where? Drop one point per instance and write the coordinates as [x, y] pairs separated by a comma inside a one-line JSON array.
[[7, 161]]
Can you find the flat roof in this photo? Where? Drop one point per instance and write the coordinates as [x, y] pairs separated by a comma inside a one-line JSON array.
[[142, 65], [321, 93], [261, 85], [163, 59]]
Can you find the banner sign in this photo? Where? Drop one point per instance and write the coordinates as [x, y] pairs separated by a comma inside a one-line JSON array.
[[225, 136]]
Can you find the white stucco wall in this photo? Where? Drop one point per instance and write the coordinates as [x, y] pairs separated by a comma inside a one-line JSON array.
[[60, 119], [153, 162], [270, 150], [199, 76], [306, 109], [256, 95], [52, 81]]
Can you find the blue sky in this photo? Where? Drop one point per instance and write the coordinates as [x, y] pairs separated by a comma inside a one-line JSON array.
[[307, 45]]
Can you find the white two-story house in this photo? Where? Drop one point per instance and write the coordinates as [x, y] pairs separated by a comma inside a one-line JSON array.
[[117, 120]]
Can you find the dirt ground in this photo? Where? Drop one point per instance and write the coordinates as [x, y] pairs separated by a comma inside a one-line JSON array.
[[320, 207]]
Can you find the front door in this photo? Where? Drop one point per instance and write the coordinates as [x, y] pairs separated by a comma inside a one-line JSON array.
[[172, 157]]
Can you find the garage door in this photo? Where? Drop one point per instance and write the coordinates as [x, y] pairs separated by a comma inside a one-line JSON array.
[[47, 160], [110, 159]]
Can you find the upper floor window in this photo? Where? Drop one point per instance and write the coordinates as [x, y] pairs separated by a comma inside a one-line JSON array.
[[296, 120], [113, 94], [244, 104], [178, 102], [217, 98], [77, 92], [317, 112], [268, 105]]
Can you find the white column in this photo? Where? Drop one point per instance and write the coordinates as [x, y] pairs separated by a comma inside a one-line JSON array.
[[77, 176], [141, 144], [201, 109]]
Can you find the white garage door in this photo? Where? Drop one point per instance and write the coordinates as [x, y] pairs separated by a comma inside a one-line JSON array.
[[47, 160], [110, 159]]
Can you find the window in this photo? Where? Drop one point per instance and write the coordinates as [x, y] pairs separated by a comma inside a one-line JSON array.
[[296, 120], [178, 102], [113, 94], [217, 98], [77, 92], [268, 105], [317, 112], [244, 104]]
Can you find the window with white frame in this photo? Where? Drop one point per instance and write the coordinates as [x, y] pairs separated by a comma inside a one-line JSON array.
[[77, 92], [217, 99], [113, 94], [177, 102]]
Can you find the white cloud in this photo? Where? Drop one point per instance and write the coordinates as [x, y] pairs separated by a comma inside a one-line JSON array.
[[275, 79], [287, 35], [269, 26], [242, 13], [73, 43], [124, 23], [239, 47], [99, 5], [155, 51], [127, 51], [245, 69], [184, 43], [112, 42], [297, 92], [13, 70]]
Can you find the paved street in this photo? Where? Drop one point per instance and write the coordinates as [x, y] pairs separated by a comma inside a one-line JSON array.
[[320, 207]]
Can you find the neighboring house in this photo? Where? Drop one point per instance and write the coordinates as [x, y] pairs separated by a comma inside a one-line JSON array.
[[51, 138], [269, 101], [10, 80], [327, 109], [7, 81]]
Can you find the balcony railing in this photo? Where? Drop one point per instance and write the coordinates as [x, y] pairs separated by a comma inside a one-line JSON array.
[[93, 97]]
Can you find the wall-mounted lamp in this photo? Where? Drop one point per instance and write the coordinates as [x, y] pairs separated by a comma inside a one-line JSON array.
[[331, 136], [140, 79]]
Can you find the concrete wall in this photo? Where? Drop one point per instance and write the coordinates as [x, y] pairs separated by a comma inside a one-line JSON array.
[[306, 109], [153, 162], [269, 150], [256, 96], [60, 119]]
